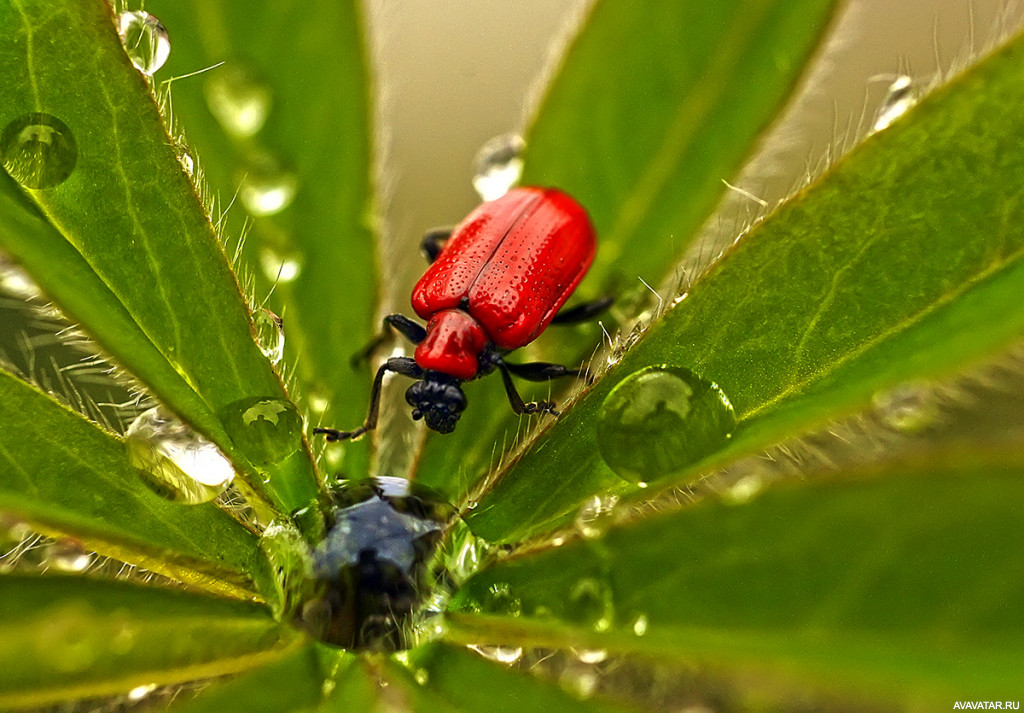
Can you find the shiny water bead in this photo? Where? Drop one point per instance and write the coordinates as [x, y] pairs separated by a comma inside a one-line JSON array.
[[38, 150], [372, 571]]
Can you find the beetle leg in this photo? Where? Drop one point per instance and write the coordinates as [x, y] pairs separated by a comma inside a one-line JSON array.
[[415, 333], [541, 371], [583, 312], [516, 401], [433, 242], [400, 365]]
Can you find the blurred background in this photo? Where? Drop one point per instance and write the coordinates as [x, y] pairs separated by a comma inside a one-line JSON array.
[[454, 73]]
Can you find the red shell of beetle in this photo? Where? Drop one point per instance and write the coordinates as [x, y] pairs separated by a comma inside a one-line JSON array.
[[511, 265]]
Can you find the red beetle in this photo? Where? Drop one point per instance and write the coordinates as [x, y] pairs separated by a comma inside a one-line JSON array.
[[495, 284]]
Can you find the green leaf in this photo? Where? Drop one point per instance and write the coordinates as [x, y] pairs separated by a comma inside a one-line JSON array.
[[890, 268], [291, 683], [907, 579], [655, 104], [66, 638], [66, 476], [354, 686], [132, 216], [318, 129], [458, 680]]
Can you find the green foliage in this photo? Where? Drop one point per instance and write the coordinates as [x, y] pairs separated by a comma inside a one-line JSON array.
[[899, 581]]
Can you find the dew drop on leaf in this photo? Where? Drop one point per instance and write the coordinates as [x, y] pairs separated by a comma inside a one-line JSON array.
[[507, 655], [238, 98], [910, 407], [595, 515], [498, 165], [269, 334], [16, 282], [140, 692], [372, 570], [265, 186], [67, 555], [659, 420], [38, 150], [590, 604], [145, 40], [174, 461], [279, 265], [592, 656], [266, 429], [899, 98]]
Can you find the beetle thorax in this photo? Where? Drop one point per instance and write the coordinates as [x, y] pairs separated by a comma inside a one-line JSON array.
[[453, 343]]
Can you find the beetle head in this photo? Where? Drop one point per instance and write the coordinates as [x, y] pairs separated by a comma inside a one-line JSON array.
[[438, 400]]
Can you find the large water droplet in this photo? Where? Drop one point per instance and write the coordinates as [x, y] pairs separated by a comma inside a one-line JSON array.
[[900, 97], [278, 265], [265, 186], [507, 655], [145, 40], [174, 461], [238, 98], [498, 166], [659, 420], [595, 515], [269, 334], [372, 567], [38, 150], [267, 429]]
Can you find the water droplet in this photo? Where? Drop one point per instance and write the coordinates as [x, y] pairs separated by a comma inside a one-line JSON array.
[[16, 282], [38, 150], [595, 516], [745, 489], [185, 159], [282, 266], [590, 603], [67, 555], [900, 97], [640, 625], [464, 552], [239, 98], [371, 570], [265, 186], [145, 40], [422, 676], [502, 601], [498, 166], [507, 655], [580, 679], [266, 429], [318, 401], [659, 420], [140, 692], [174, 461], [910, 407], [592, 656], [285, 551], [269, 334]]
